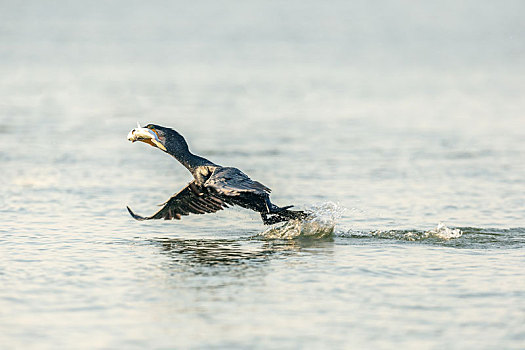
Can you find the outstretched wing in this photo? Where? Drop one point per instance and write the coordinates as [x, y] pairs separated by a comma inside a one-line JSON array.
[[232, 182], [191, 199]]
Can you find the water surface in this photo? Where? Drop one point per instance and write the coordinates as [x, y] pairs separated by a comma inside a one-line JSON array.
[[400, 126]]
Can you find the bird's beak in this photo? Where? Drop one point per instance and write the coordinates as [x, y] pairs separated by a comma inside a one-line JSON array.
[[146, 135]]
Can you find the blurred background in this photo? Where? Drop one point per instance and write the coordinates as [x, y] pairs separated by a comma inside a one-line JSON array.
[[405, 113], [379, 101]]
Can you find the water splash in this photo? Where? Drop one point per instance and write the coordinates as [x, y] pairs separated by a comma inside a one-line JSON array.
[[444, 232], [320, 224], [441, 232]]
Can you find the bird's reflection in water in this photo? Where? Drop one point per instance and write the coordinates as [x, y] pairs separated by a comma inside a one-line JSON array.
[[213, 255]]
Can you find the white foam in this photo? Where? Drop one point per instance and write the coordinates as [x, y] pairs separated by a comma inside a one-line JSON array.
[[440, 232], [443, 232]]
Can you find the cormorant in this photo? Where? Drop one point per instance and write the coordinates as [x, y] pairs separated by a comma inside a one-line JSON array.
[[213, 188]]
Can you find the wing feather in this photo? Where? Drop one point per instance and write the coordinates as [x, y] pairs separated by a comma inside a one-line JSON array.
[[232, 182], [192, 199], [225, 187]]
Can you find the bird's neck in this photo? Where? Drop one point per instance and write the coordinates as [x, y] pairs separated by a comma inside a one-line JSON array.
[[191, 161]]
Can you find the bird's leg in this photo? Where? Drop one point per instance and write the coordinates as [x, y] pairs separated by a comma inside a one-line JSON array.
[[269, 204], [272, 208]]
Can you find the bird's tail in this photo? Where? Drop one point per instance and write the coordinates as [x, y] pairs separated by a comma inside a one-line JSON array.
[[282, 214]]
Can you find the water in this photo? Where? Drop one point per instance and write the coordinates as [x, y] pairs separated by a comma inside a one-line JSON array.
[[400, 127]]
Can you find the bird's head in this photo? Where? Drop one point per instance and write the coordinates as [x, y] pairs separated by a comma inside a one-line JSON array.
[[158, 136]]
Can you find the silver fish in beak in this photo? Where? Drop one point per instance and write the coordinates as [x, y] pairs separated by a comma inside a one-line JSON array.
[[146, 135]]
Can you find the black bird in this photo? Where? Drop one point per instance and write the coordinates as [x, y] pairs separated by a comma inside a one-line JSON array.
[[213, 188]]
